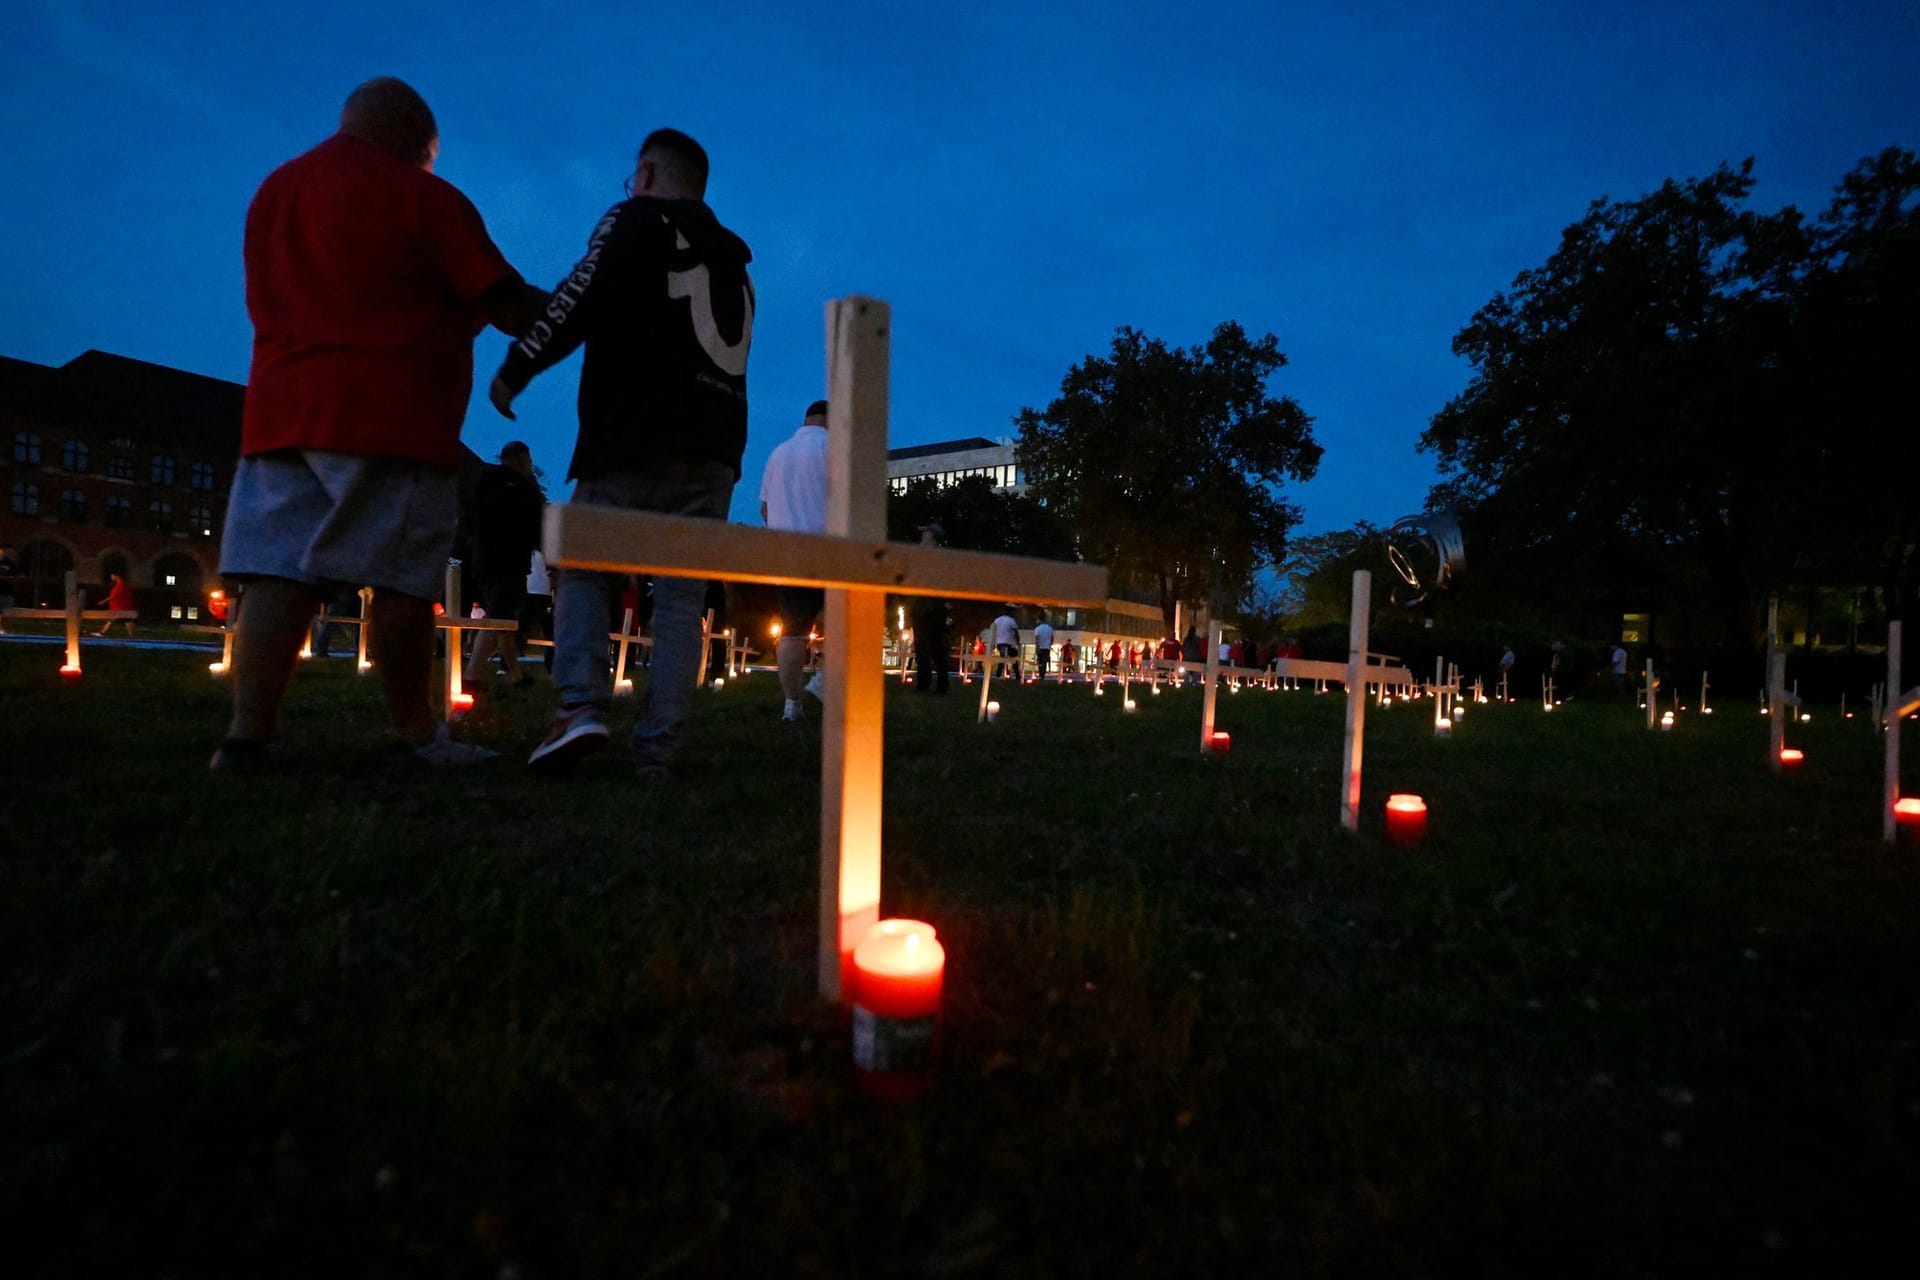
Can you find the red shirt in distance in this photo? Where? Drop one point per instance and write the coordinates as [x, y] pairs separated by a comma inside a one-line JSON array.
[[364, 275]]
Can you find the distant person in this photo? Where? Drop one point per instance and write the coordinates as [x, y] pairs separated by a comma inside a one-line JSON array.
[[1617, 668], [930, 641], [367, 279], [663, 303], [793, 495], [536, 610], [119, 600], [1006, 641], [1042, 647], [1069, 657], [1191, 650], [505, 520], [1506, 661]]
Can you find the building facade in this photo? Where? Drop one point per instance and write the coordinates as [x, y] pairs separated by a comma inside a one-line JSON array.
[[952, 460], [115, 465]]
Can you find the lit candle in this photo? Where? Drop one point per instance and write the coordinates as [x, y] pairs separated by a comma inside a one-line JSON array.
[[1906, 818], [1443, 728], [69, 672], [1459, 713], [719, 683], [1406, 820], [1130, 704], [1790, 757], [993, 711], [218, 668], [1666, 720], [463, 701], [1220, 742], [898, 969]]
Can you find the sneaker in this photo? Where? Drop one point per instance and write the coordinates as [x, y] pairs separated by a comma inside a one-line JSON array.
[[793, 712], [575, 733], [442, 752], [816, 688]]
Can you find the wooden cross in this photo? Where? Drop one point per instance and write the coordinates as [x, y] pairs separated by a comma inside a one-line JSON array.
[[857, 567], [73, 615]]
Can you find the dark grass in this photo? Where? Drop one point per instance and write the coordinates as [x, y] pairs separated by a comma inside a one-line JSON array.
[[1637, 1008]]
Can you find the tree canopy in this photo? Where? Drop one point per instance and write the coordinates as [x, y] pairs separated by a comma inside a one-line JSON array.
[[977, 517], [1688, 398], [1167, 463]]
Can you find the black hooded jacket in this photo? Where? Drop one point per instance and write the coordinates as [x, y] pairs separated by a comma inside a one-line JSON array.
[[664, 304]]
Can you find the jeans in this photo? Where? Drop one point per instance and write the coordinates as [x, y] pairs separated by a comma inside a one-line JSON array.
[[581, 599]]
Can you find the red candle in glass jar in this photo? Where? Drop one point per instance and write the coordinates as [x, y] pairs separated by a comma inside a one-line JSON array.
[[1906, 818], [1790, 757], [1406, 820], [69, 673], [1220, 742], [899, 968]]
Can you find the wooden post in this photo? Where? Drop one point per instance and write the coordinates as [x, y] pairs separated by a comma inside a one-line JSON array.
[[1703, 693], [1214, 634], [706, 649], [1357, 626], [986, 683], [1890, 791], [452, 606], [361, 663], [858, 333], [1653, 702], [1776, 680], [73, 621]]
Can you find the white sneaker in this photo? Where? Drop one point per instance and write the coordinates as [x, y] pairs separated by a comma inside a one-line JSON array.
[[816, 688], [793, 711]]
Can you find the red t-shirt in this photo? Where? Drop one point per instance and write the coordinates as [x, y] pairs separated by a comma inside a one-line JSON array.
[[363, 278]]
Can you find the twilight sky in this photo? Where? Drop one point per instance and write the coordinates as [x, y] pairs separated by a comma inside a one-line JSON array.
[[1017, 180]]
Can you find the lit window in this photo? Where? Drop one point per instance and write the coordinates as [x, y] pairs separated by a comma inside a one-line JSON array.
[[201, 476], [173, 580], [26, 498], [163, 470], [175, 611], [193, 613], [73, 455], [26, 446]]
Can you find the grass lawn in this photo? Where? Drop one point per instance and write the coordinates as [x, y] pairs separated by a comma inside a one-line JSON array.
[[1638, 1007]]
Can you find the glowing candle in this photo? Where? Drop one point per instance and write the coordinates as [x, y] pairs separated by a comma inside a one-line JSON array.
[[1130, 704], [1790, 757], [1906, 818], [69, 672], [719, 683], [1666, 721], [1220, 743], [1406, 820], [218, 668], [993, 711], [898, 970], [463, 702]]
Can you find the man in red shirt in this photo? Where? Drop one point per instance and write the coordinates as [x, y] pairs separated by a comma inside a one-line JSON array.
[[368, 279]]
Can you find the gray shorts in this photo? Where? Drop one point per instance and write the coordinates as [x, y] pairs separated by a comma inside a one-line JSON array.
[[316, 517]]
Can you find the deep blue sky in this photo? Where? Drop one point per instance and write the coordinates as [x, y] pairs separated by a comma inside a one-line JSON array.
[[1354, 178]]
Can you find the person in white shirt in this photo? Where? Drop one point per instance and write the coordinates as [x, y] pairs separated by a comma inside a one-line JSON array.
[[1042, 647], [793, 495], [1006, 640]]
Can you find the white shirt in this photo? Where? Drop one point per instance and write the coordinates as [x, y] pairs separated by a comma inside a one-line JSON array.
[[1043, 637], [1619, 662], [538, 583], [1005, 630], [794, 485]]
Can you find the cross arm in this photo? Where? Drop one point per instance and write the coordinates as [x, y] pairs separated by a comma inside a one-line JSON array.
[[616, 540]]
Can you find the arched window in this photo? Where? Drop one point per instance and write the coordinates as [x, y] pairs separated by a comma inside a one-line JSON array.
[[26, 498], [43, 572], [177, 572], [73, 455], [160, 517], [26, 447], [163, 469]]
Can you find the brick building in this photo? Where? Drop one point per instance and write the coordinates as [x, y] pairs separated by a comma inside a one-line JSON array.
[[116, 465]]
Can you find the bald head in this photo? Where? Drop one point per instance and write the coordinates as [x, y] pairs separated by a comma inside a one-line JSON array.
[[389, 114]]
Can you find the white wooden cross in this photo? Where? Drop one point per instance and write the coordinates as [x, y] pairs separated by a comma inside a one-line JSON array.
[[74, 613], [857, 567]]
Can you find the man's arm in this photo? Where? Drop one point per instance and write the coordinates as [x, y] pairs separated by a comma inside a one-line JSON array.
[[563, 323], [513, 305]]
